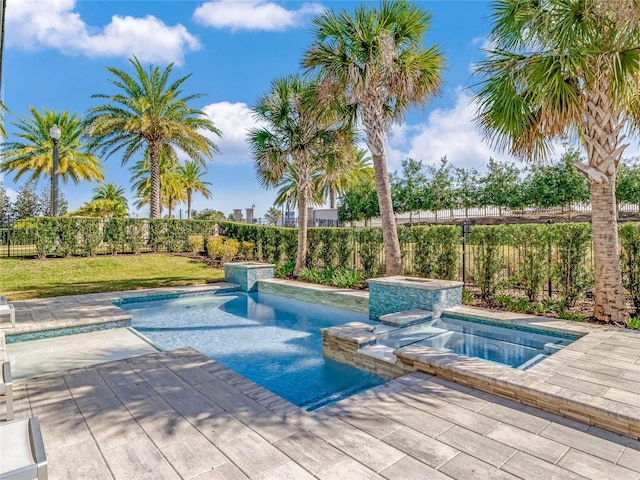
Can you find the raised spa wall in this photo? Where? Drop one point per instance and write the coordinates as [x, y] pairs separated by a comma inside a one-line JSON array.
[[400, 294], [247, 274]]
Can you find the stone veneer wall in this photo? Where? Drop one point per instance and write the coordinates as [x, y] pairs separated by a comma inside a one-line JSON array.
[[399, 293], [320, 294], [342, 342], [522, 392]]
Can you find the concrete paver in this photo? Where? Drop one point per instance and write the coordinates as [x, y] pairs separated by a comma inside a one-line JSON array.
[[178, 414]]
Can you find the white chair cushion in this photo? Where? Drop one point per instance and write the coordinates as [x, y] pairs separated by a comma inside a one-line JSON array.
[[15, 449]]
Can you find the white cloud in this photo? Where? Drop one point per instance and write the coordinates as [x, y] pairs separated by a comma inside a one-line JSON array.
[[449, 132], [234, 121], [34, 24], [253, 15], [484, 42]]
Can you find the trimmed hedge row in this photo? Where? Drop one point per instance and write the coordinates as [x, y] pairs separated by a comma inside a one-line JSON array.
[[498, 256]]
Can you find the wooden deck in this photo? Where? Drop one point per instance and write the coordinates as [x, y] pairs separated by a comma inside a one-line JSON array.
[[180, 415]]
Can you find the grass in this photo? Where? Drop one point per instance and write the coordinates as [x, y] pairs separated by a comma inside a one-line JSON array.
[[22, 279]]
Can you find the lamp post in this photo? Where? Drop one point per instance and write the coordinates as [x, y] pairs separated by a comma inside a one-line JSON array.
[[55, 133]]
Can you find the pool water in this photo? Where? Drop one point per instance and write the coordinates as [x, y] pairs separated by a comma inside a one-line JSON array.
[[274, 341], [514, 347]]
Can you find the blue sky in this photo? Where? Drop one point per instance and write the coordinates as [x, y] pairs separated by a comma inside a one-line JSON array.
[[57, 53]]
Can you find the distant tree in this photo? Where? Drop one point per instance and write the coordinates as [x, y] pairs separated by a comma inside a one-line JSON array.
[[44, 200], [359, 202], [501, 186], [440, 194], [409, 187], [192, 173], [148, 114], [273, 215], [340, 172], [375, 62], [6, 209], [32, 153], [628, 182], [558, 184], [110, 191], [27, 204], [208, 214], [466, 189]]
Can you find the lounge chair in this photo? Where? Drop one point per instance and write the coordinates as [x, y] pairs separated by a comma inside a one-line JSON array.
[[6, 385], [7, 309], [22, 455]]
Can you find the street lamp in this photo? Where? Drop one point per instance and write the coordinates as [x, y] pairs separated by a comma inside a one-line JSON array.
[[55, 133]]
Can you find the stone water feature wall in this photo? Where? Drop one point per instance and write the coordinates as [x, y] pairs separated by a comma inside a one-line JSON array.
[[247, 274], [399, 293]]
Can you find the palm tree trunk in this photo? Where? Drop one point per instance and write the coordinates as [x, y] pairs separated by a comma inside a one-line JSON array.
[[373, 121], [604, 150], [154, 201], [301, 256], [332, 196], [609, 294], [188, 204]]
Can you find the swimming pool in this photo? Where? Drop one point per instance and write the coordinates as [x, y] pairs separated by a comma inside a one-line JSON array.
[[274, 341]]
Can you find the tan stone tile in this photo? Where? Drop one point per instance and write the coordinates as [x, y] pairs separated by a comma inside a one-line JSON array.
[[422, 447], [466, 467], [408, 468], [489, 450], [630, 459], [348, 469], [252, 454], [529, 467], [543, 448], [310, 451], [595, 468]]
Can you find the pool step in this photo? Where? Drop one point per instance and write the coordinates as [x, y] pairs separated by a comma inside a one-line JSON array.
[[406, 318], [400, 337], [380, 352]]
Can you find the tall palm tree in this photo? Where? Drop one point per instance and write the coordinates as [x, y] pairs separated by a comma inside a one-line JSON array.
[[32, 153], [375, 62], [562, 67], [150, 113], [298, 138], [141, 176], [288, 188], [192, 174]]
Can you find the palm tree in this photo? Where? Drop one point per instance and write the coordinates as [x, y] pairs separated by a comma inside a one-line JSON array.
[[288, 188], [102, 207], [375, 62], [191, 174], [173, 188], [150, 114], [109, 191], [32, 152], [561, 67], [344, 172], [297, 139]]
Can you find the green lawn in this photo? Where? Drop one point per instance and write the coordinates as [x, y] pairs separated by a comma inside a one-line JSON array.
[[22, 279]]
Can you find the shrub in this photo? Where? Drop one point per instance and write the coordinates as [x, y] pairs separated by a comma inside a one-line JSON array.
[[489, 260], [285, 270], [90, 236], [229, 250], [532, 246], [45, 236], [369, 247], [214, 246], [572, 269], [345, 277], [630, 261], [247, 250], [436, 252], [195, 243]]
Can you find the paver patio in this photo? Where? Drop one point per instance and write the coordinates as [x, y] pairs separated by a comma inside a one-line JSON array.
[[179, 414]]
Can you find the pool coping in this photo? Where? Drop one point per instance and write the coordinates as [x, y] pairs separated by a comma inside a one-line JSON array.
[[92, 310]]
